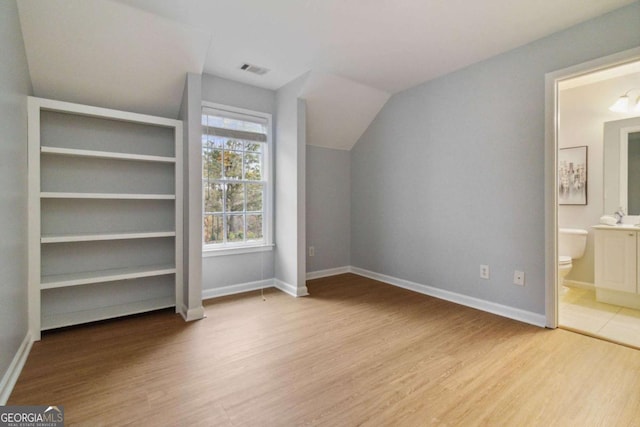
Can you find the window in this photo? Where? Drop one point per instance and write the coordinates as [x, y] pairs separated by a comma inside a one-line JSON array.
[[235, 177]]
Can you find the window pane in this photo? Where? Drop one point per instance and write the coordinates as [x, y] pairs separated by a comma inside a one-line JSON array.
[[253, 166], [233, 172], [212, 197], [213, 227], [212, 141], [254, 227], [235, 228], [233, 144], [254, 197], [235, 124], [235, 197], [233, 164], [211, 163], [256, 147]]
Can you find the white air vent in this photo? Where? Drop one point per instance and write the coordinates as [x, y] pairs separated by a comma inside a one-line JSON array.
[[254, 69]]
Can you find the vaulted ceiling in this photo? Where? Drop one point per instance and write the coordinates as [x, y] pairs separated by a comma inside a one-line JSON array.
[[133, 54]]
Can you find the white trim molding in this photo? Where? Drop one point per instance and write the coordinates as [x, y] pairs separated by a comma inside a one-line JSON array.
[[254, 286], [236, 289], [15, 368], [208, 251], [579, 284], [328, 272], [479, 304], [300, 291]]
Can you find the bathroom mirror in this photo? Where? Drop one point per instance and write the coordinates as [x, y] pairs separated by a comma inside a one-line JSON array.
[[622, 166]]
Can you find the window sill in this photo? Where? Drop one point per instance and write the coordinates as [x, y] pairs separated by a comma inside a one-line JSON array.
[[213, 252]]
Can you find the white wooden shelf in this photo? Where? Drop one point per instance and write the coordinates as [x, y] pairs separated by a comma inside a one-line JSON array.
[[53, 321], [92, 237], [110, 196], [102, 276], [105, 155], [136, 157]]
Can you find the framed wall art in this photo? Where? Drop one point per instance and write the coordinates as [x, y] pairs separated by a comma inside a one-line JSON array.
[[572, 176]]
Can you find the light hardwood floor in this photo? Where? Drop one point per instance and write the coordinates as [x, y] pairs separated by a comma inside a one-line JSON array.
[[355, 352]]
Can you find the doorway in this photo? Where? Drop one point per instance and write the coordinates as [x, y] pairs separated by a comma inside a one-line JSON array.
[[578, 99]]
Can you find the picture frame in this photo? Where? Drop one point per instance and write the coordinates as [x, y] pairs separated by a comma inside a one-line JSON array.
[[572, 175]]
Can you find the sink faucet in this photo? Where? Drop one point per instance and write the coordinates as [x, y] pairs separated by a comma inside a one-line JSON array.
[[619, 215]]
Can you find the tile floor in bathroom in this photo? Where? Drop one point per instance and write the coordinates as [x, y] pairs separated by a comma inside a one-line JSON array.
[[579, 310]]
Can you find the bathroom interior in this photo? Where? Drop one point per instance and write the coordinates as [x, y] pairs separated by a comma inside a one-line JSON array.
[[599, 204]]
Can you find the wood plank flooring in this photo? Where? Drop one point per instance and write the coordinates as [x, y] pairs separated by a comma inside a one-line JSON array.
[[355, 352]]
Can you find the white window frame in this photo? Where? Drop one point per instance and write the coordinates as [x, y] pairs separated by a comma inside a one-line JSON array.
[[217, 249]]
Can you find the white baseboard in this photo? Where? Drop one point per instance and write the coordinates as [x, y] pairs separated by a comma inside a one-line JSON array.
[[578, 284], [477, 303], [290, 289], [328, 272], [236, 289], [488, 306], [15, 367]]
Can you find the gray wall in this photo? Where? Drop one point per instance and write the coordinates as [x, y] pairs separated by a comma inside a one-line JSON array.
[[450, 175], [228, 92], [14, 88], [226, 270], [328, 207]]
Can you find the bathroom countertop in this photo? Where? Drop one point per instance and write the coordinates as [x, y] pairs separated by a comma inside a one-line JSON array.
[[623, 227]]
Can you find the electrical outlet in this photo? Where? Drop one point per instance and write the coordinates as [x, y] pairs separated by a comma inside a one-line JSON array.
[[312, 251], [518, 278], [484, 271]]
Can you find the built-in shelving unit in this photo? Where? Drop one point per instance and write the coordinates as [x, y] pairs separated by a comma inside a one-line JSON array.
[[105, 214]]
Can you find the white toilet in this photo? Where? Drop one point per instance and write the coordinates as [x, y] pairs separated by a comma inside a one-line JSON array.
[[571, 245]]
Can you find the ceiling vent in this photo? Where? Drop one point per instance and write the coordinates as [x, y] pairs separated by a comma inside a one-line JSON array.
[[254, 69]]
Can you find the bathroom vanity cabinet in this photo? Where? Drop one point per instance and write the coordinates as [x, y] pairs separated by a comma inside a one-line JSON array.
[[105, 214], [616, 265]]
